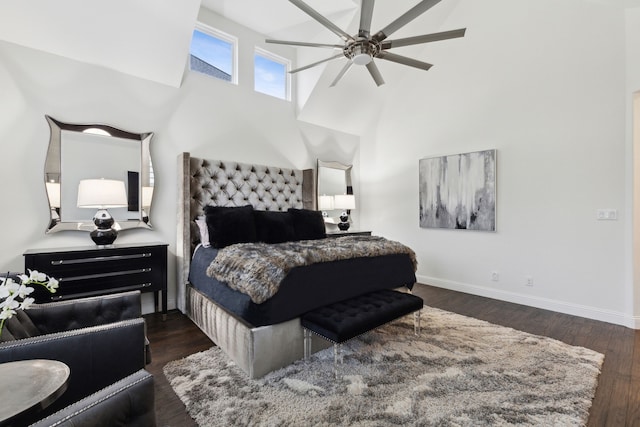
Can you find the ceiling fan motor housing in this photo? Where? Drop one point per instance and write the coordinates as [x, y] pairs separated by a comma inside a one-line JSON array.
[[362, 50]]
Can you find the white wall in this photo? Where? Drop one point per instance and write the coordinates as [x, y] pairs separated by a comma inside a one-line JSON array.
[[207, 117], [543, 82], [633, 155]]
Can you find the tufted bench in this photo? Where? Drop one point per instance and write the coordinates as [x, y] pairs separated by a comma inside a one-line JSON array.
[[344, 320]]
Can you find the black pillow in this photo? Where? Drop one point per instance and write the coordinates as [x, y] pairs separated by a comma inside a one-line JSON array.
[[274, 226], [229, 225], [308, 224]]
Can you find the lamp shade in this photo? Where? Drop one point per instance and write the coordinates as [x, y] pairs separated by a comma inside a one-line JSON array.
[[344, 201], [101, 194], [325, 203]]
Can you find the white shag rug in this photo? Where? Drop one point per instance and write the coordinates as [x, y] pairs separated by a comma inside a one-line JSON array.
[[460, 371]]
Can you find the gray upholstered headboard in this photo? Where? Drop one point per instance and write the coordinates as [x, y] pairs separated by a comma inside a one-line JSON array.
[[205, 182]]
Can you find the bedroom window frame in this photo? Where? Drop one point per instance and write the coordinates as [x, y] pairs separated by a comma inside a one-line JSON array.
[[222, 36], [270, 56]]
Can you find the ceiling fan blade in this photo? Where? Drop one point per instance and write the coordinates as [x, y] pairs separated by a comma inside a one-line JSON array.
[[427, 38], [366, 13], [341, 73], [403, 20], [340, 55], [388, 56], [375, 73], [321, 19], [292, 43]]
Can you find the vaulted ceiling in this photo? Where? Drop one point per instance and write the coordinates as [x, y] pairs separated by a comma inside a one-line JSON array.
[[150, 39]]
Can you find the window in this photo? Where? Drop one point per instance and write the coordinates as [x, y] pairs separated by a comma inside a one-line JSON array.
[[271, 76], [213, 53]]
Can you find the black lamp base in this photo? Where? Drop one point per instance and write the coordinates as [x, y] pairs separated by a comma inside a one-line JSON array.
[[104, 234], [344, 225]]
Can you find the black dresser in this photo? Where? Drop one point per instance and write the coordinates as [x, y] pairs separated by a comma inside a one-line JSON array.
[[92, 270]]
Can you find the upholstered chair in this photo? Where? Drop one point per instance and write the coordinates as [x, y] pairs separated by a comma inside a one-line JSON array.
[[101, 339]]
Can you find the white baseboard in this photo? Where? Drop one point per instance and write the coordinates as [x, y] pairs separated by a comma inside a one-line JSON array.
[[608, 316]]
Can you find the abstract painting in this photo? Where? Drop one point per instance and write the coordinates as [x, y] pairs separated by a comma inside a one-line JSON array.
[[459, 191]]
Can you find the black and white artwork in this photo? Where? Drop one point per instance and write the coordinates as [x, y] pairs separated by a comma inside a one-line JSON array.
[[459, 191]]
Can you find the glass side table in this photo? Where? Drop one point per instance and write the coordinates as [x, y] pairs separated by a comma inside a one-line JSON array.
[[30, 386]]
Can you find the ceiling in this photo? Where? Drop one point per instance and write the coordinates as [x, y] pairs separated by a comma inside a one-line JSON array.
[[138, 37], [281, 14], [150, 39]]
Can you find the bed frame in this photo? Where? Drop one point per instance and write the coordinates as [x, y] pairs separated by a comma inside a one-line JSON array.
[[256, 350]]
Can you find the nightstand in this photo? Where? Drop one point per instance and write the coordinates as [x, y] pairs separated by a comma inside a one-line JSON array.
[[91, 270], [339, 233]]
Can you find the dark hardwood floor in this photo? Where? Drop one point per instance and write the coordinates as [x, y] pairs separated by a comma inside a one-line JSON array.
[[617, 400]]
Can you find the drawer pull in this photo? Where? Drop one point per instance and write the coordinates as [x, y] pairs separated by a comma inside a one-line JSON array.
[[101, 275], [100, 259], [99, 293]]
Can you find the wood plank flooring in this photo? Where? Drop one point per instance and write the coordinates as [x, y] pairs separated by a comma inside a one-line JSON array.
[[617, 400]]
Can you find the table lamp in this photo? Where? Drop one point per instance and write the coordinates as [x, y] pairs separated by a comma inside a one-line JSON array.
[[345, 202], [102, 194], [325, 203]]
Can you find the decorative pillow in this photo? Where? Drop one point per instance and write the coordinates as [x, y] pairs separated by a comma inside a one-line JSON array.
[[229, 225], [274, 226], [308, 224], [201, 221]]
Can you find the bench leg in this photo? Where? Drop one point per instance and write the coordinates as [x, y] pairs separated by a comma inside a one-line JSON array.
[[306, 343], [416, 322], [337, 357]]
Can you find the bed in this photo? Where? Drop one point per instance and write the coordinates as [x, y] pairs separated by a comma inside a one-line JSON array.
[[264, 336]]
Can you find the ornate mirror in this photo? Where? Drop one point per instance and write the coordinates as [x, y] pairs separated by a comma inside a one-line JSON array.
[[95, 151], [334, 179]]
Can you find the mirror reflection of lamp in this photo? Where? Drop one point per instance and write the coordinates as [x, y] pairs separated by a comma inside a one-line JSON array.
[[325, 203], [346, 202], [102, 194], [147, 195]]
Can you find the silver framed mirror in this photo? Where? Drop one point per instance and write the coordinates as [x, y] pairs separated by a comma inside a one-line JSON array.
[[96, 151], [333, 179]]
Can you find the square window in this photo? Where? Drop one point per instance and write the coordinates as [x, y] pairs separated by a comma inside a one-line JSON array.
[[213, 53], [270, 74]]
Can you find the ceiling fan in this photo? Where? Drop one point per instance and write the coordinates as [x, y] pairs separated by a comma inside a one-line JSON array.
[[362, 48]]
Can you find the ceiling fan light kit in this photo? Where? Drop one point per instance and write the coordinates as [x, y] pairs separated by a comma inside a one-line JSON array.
[[363, 48]]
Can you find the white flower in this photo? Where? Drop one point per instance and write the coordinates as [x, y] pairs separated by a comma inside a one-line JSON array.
[[23, 291], [6, 313], [9, 303], [24, 305], [36, 276], [52, 285], [13, 295], [4, 291]]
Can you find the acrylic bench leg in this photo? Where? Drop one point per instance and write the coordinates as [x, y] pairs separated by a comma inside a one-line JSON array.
[[416, 322], [337, 358], [307, 343]]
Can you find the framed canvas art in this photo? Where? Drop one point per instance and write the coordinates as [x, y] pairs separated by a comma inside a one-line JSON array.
[[459, 191]]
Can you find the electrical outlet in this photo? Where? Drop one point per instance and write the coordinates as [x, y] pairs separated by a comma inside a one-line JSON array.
[[495, 276], [529, 281], [607, 214]]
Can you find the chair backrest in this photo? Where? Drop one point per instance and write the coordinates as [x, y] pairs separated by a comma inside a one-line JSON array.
[[19, 327]]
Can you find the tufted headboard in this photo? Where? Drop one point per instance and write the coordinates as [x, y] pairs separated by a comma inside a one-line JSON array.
[[205, 182]]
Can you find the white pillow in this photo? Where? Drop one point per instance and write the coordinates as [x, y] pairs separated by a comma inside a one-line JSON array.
[[204, 231]]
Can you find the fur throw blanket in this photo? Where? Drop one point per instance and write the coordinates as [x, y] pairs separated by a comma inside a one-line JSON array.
[[257, 269]]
